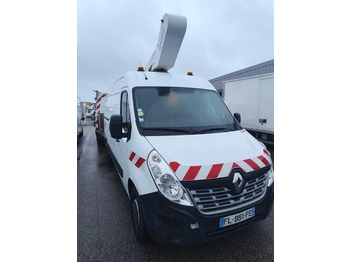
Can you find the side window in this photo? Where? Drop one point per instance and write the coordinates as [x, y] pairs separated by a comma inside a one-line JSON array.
[[124, 107]]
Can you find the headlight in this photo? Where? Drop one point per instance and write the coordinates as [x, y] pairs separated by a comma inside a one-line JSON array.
[[166, 181], [270, 177], [263, 145]]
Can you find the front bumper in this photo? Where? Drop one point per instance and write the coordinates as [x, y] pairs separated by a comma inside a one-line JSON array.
[[168, 222]]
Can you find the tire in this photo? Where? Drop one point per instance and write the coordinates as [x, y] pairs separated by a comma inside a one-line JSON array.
[[138, 216]]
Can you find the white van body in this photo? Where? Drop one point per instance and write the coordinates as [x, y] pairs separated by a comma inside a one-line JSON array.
[[192, 173], [80, 123], [253, 98], [202, 163]]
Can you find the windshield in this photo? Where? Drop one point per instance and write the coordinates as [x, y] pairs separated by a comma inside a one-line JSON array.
[[176, 110]]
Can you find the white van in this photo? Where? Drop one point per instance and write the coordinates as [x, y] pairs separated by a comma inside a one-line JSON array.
[[192, 173], [80, 119]]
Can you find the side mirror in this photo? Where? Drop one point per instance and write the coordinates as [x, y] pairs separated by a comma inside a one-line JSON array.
[[116, 127], [83, 118], [238, 117]]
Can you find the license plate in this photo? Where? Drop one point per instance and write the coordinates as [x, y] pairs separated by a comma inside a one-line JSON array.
[[236, 218]]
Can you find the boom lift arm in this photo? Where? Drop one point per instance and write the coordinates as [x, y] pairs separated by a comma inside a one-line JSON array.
[[171, 34]]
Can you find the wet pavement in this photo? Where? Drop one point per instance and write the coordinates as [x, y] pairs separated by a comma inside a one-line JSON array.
[[104, 222]]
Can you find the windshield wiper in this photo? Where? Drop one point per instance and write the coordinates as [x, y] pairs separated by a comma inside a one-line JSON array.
[[169, 129], [223, 129]]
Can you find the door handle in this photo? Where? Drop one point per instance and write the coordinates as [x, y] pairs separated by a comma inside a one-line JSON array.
[[262, 121]]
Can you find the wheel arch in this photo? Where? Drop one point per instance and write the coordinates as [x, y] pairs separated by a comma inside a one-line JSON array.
[[130, 186]]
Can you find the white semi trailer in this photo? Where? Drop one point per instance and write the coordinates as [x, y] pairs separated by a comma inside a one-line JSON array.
[[252, 98]]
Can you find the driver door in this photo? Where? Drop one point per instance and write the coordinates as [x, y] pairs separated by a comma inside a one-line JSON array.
[[123, 143]]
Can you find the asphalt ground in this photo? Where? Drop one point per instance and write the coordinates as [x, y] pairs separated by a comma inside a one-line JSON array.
[[104, 226]]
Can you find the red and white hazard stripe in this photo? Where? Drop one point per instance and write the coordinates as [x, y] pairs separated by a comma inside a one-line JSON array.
[[200, 172], [136, 160], [98, 105]]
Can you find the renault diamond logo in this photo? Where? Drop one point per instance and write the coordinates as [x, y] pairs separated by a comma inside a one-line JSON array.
[[238, 181]]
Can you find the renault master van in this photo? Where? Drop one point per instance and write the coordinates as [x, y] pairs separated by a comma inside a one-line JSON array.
[[192, 173]]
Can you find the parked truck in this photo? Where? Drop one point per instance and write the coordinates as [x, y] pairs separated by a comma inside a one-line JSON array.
[[90, 111], [253, 98], [80, 119], [192, 173]]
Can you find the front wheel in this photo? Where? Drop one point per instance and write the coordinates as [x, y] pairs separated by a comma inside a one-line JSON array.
[[138, 216]]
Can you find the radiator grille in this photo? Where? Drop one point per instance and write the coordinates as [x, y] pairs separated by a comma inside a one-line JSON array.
[[222, 199]]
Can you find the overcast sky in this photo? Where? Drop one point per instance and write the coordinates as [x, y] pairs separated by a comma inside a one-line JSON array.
[[221, 37]]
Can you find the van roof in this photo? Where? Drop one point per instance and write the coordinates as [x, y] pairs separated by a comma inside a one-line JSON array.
[[134, 79]]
